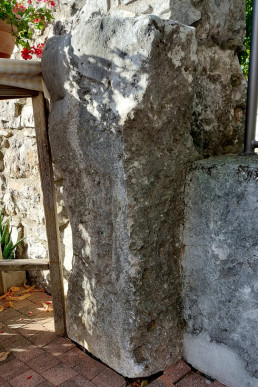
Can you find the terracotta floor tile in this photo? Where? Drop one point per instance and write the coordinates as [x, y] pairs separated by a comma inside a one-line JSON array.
[[78, 381], [59, 346], [39, 297], [59, 374], [3, 383], [177, 371], [45, 384], [11, 368], [31, 309], [6, 332], [109, 378], [49, 324], [193, 380], [31, 329], [90, 369], [17, 305], [15, 343], [162, 381], [42, 363], [28, 353], [29, 378], [43, 338], [74, 357], [10, 315]]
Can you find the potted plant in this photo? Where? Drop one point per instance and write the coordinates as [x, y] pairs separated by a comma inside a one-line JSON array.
[[18, 23], [7, 251]]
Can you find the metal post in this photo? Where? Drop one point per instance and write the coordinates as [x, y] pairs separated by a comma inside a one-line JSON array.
[[252, 95]]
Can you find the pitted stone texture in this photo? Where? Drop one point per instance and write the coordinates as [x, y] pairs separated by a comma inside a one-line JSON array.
[[222, 23], [179, 10], [21, 159], [120, 133], [220, 269], [219, 104], [217, 22]]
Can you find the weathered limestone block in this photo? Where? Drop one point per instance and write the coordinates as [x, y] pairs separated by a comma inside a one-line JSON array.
[[220, 269], [180, 10], [122, 92], [219, 104], [217, 22]]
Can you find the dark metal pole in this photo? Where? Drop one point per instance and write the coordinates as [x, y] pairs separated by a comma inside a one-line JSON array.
[[252, 95]]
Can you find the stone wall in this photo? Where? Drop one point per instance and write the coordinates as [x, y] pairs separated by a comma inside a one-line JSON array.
[[220, 269], [20, 194]]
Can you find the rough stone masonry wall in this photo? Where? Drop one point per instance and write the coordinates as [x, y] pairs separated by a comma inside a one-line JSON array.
[[20, 194]]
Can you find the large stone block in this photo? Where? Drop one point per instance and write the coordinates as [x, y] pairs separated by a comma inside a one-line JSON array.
[[221, 270], [122, 91]]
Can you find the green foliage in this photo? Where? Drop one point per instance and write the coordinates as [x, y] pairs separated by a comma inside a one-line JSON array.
[[7, 246], [245, 55], [24, 20]]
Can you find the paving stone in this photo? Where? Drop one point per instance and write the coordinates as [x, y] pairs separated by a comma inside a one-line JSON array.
[[177, 371], [31, 329], [193, 380], [217, 384], [18, 305], [162, 381], [79, 381], [10, 315], [109, 378], [15, 343], [74, 357], [49, 324], [6, 332], [59, 346], [3, 383], [12, 367], [43, 338], [90, 369], [29, 353], [59, 374], [31, 309], [46, 384], [39, 297], [29, 378], [43, 363]]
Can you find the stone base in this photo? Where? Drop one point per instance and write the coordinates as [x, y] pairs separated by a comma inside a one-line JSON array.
[[221, 269], [12, 278]]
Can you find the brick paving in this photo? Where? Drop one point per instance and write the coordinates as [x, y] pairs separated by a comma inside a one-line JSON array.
[[40, 358]]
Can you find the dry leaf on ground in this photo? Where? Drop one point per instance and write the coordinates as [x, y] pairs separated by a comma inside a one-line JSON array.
[[3, 355]]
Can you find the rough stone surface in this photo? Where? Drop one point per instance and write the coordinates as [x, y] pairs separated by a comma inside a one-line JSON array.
[[220, 269], [219, 104], [219, 107], [119, 131]]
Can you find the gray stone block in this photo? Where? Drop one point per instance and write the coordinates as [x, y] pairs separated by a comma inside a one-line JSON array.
[[121, 138], [221, 270]]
